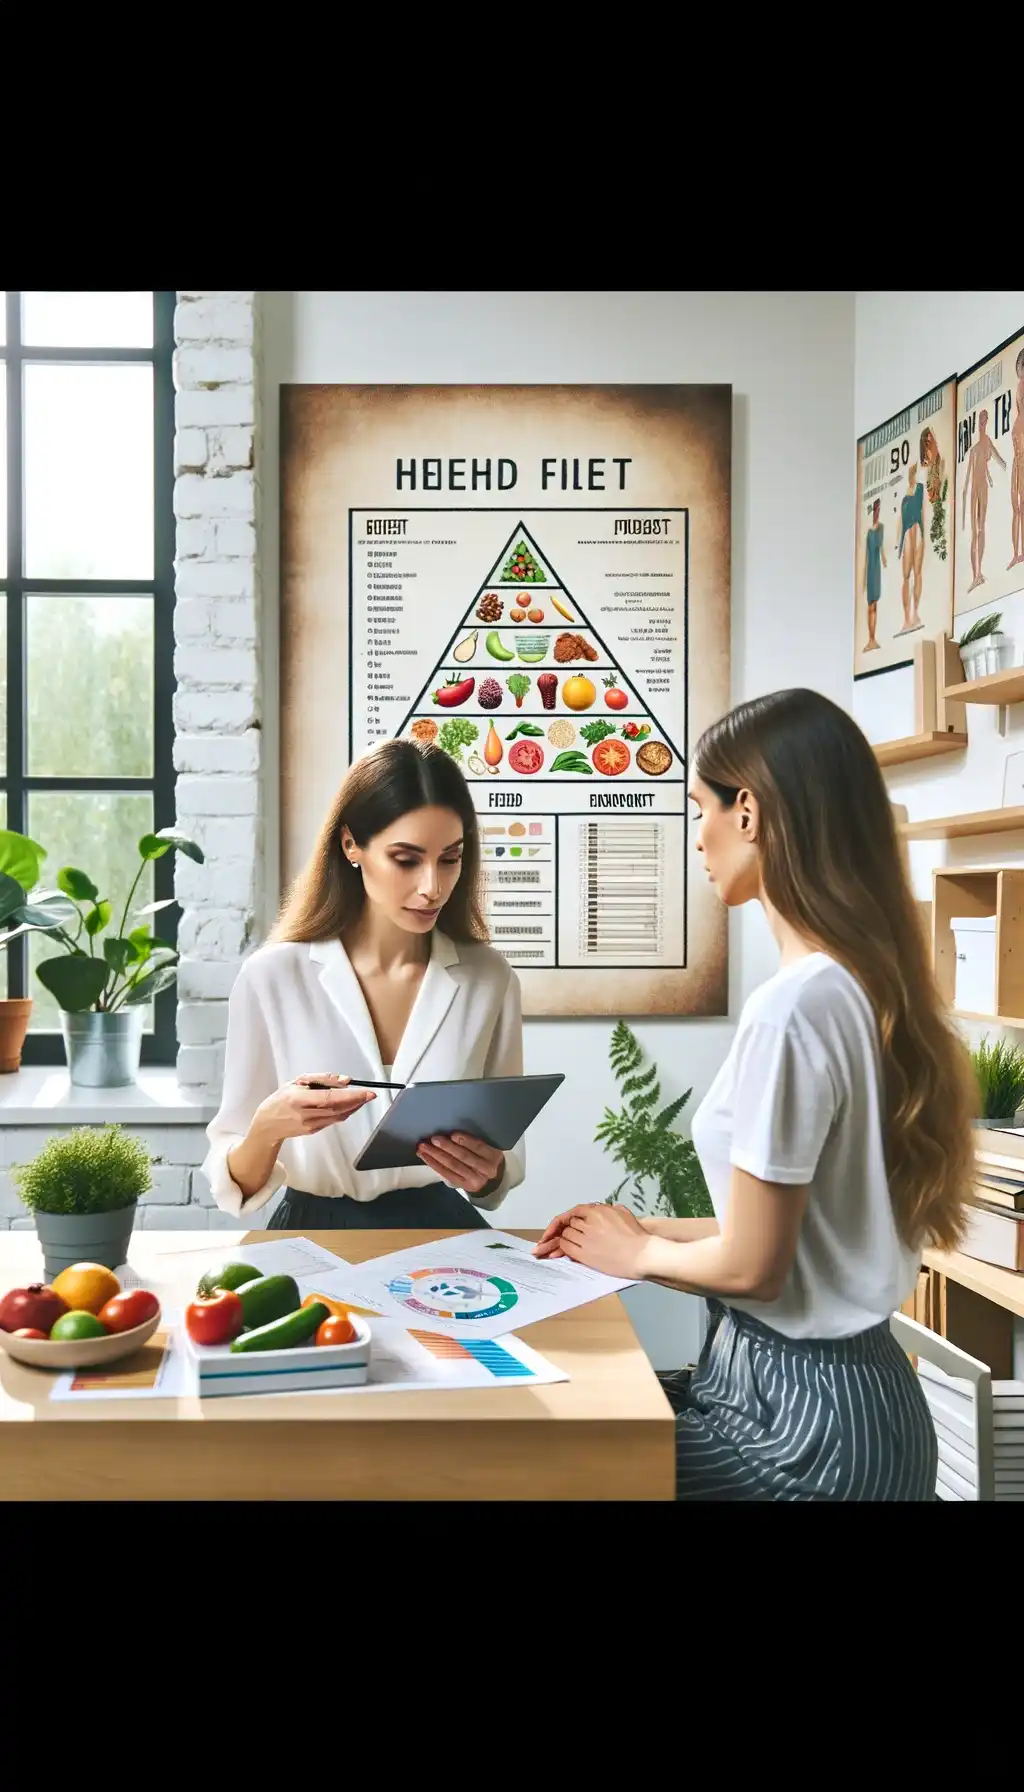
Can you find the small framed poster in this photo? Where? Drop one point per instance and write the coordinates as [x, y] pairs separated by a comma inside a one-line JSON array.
[[989, 559], [904, 540]]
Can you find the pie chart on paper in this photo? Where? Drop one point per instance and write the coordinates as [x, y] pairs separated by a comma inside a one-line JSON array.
[[463, 1294]]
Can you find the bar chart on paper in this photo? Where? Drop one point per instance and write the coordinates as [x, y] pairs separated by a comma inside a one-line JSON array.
[[490, 1355]]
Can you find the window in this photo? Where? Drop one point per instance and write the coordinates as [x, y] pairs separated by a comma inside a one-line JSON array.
[[87, 590]]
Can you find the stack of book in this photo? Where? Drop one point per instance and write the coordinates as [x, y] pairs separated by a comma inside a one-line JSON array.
[[951, 1401], [996, 1200]]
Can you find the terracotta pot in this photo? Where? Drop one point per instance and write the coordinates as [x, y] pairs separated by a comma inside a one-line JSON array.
[[14, 1016]]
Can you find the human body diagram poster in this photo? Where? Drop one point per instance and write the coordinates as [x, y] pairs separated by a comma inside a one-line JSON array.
[[536, 580], [904, 542], [990, 479]]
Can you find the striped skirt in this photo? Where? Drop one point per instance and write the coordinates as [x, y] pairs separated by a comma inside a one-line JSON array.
[[765, 1417]]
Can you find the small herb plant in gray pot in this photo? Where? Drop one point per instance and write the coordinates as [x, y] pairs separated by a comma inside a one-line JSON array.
[[82, 1190]]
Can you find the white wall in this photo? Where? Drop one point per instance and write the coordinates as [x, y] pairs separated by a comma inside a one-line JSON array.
[[789, 358]]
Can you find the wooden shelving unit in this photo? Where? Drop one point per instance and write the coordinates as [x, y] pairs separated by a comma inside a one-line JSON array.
[[957, 827], [989, 890], [919, 746], [998, 688]]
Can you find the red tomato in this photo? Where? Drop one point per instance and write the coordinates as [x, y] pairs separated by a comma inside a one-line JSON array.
[[27, 1331], [217, 1320], [526, 756], [615, 698], [336, 1330], [123, 1312], [611, 757]]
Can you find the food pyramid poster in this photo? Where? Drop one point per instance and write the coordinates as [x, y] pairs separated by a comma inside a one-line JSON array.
[[535, 579]]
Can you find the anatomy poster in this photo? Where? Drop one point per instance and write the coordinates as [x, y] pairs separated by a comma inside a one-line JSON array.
[[990, 479], [904, 540], [536, 580]]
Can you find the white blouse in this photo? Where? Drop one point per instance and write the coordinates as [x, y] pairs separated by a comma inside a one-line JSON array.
[[298, 1010]]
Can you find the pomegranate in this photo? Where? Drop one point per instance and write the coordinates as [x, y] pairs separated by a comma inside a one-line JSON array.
[[38, 1308]]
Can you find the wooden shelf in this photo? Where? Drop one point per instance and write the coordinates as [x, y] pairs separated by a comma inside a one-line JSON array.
[[995, 1020], [1002, 1286], [998, 687], [955, 827], [918, 746]]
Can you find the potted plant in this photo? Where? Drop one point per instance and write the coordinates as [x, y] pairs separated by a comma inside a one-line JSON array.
[[82, 1189], [20, 862], [984, 648], [101, 994], [661, 1165], [999, 1069]]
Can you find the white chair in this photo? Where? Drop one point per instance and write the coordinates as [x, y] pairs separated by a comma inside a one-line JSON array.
[[958, 1389]]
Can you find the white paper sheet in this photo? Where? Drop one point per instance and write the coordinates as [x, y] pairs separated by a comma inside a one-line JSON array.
[[481, 1285]]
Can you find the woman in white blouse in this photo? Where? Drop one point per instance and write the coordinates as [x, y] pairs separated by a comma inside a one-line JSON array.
[[377, 971]]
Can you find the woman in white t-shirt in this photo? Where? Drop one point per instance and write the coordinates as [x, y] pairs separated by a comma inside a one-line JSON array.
[[835, 1141]]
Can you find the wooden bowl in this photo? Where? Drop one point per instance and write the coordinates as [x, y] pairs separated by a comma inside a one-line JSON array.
[[77, 1353]]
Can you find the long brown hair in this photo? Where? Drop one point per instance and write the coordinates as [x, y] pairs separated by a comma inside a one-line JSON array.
[[831, 866], [392, 779]]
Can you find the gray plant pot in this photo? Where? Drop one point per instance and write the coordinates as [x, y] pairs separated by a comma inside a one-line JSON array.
[[69, 1238], [993, 1125], [103, 1049]]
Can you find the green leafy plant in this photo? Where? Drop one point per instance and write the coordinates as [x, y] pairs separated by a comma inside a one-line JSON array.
[[134, 966], [90, 1170], [20, 864], [456, 733], [978, 631], [661, 1165], [999, 1069]]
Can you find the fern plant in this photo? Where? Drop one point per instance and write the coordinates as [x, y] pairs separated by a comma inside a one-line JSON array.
[[663, 1173]]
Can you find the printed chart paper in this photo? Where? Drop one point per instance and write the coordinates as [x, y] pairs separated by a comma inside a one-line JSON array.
[[479, 1285], [558, 621]]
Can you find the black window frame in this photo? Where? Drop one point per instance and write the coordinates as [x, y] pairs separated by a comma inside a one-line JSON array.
[[47, 1048]]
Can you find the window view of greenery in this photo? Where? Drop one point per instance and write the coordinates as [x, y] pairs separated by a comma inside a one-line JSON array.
[[88, 515]]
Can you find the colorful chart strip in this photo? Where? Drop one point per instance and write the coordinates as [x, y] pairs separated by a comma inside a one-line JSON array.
[[491, 1356]]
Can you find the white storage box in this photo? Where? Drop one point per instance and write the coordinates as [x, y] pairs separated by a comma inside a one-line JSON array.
[[975, 937], [304, 1368]]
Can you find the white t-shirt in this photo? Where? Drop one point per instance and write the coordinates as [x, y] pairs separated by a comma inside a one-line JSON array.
[[799, 1101]]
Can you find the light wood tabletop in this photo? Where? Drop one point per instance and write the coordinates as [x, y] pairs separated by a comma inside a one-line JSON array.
[[605, 1434]]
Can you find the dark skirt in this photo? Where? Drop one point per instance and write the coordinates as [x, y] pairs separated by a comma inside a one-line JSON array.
[[434, 1207], [765, 1417]]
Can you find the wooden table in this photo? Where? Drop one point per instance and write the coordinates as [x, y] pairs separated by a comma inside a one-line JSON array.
[[605, 1434]]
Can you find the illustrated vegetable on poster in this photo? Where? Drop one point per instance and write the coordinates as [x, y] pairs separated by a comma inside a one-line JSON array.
[[527, 686]]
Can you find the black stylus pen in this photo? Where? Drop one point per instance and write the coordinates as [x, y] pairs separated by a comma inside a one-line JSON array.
[[355, 1083]]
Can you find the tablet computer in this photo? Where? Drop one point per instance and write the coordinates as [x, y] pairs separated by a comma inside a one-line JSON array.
[[497, 1109]]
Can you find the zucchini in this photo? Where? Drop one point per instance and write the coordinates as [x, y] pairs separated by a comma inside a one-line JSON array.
[[228, 1275], [284, 1334], [268, 1298]]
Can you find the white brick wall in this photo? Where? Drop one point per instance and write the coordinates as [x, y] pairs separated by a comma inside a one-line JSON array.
[[217, 709], [180, 1198]]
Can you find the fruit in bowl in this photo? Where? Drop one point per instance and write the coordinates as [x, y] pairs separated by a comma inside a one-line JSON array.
[[87, 1320]]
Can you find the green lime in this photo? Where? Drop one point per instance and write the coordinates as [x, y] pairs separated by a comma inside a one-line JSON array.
[[227, 1275], [77, 1325]]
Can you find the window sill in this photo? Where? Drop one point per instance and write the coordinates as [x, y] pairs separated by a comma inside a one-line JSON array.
[[42, 1095]]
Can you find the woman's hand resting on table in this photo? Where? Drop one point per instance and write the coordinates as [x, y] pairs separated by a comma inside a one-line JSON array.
[[462, 1161], [295, 1111], [610, 1239]]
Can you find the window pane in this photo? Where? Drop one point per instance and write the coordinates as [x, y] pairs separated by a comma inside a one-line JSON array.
[[98, 834], [89, 472], [3, 684], [87, 319], [3, 317], [90, 687], [3, 469]]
